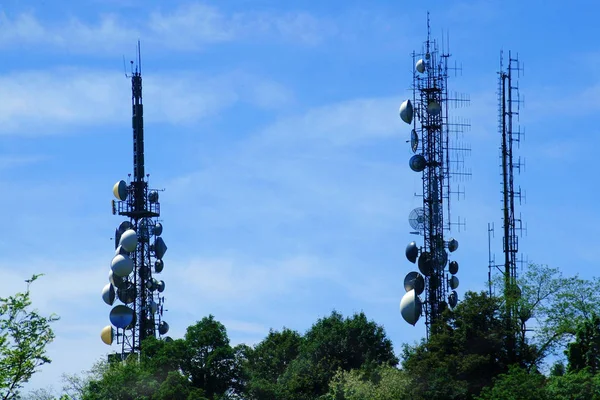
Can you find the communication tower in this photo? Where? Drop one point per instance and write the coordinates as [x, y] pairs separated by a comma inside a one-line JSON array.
[[509, 102], [139, 247], [439, 156]]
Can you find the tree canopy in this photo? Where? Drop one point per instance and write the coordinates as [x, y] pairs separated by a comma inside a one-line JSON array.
[[24, 335], [351, 358]]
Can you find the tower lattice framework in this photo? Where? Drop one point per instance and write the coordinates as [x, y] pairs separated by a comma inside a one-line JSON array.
[[438, 156], [509, 102], [139, 248]]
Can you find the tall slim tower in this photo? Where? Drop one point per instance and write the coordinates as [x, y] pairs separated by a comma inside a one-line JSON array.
[[139, 247], [508, 110], [439, 156]]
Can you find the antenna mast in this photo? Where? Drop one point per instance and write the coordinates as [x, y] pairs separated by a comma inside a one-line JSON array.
[[509, 102], [439, 156], [139, 247]]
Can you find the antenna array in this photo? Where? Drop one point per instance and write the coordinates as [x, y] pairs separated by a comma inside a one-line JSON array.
[[509, 104], [139, 248], [440, 153]]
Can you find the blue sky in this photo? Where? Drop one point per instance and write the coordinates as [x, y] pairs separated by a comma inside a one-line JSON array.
[[273, 127]]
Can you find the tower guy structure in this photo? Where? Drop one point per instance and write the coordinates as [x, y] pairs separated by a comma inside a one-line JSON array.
[[439, 156], [139, 248], [509, 102]]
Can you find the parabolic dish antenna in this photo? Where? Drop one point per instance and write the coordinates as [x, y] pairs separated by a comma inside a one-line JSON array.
[[420, 66], [434, 108], [158, 266], [153, 307], [452, 245], [410, 307], [122, 228], [133, 322], [453, 267], [158, 228], [414, 281], [441, 259], [453, 282], [412, 252], [120, 190], [127, 295], [117, 281], [414, 141], [163, 327], [453, 299], [107, 335], [406, 111], [121, 265], [425, 263], [128, 240], [161, 286], [121, 316], [108, 294], [417, 163], [416, 219]]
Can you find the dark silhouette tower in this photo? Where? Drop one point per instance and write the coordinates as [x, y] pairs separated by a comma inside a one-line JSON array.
[[508, 110], [439, 156], [139, 247]]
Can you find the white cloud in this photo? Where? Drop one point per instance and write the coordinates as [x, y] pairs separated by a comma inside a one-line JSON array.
[[344, 123], [234, 280], [43, 102], [187, 27]]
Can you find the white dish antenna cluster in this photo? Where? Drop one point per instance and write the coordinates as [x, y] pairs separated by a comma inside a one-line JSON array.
[[121, 278], [432, 271]]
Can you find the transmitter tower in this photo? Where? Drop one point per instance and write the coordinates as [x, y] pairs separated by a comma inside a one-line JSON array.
[[439, 156], [509, 102], [139, 247]]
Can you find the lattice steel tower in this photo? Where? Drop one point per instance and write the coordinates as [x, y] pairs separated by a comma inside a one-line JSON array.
[[509, 102], [439, 156], [139, 247]]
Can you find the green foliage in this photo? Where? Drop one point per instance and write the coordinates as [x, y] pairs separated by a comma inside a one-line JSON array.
[[557, 305], [24, 335], [334, 343], [201, 366], [269, 360], [383, 383], [210, 362], [517, 384], [558, 369], [581, 385], [466, 353], [584, 352]]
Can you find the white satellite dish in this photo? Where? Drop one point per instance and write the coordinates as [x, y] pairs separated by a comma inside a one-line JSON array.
[[406, 112], [411, 307], [128, 240], [121, 265], [420, 66], [108, 294]]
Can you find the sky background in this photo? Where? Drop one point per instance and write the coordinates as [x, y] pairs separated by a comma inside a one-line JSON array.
[[274, 128]]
